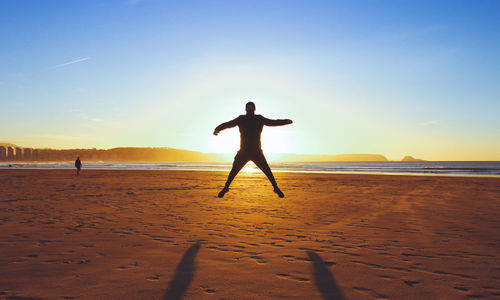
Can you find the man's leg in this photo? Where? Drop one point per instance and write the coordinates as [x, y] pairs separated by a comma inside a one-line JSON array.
[[261, 162], [239, 161]]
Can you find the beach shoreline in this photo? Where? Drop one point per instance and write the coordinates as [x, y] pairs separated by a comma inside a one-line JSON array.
[[468, 169]]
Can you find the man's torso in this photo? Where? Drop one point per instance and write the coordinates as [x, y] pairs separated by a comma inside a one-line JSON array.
[[250, 127]]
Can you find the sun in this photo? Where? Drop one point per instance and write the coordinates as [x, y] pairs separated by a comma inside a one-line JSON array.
[[274, 140], [250, 167], [227, 141]]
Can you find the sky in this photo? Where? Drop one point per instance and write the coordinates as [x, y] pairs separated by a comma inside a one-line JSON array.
[[396, 78]]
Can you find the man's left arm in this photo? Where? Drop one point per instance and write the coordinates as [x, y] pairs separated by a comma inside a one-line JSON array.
[[276, 122]]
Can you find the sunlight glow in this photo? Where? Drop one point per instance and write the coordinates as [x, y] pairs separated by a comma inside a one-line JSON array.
[[228, 141], [250, 168], [275, 140]]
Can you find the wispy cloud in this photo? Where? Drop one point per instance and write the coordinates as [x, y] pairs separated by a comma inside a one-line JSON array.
[[70, 62], [57, 136], [85, 116], [431, 122], [136, 2]]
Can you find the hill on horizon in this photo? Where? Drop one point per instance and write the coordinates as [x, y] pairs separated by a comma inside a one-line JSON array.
[[167, 154], [409, 158]]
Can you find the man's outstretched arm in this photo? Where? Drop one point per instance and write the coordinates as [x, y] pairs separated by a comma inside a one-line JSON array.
[[278, 122], [226, 125]]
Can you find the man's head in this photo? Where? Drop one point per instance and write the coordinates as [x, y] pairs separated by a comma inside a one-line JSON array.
[[250, 107]]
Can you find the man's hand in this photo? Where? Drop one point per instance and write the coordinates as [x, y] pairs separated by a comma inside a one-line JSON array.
[[216, 132], [288, 121]]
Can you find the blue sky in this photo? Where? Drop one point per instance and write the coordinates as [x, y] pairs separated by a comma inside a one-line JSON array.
[[391, 77]]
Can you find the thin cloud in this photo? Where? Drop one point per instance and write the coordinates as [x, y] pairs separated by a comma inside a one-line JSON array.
[[432, 122], [136, 2], [70, 62], [58, 136]]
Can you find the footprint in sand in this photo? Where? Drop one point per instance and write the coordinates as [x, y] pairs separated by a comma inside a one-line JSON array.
[[207, 289], [290, 277], [281, 239], [411, 282], [301, 279], [22, 298], [43, 242], [153, 277], [126, 267], [258, 259], [369, 291], [475, 296], [273, 244], [83, 261], [492, 290], [216, 248], [305, 259], [250, 244], [282, 275]]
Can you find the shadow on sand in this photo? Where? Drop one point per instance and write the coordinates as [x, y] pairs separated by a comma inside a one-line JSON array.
[[323, 278], [183, 274]]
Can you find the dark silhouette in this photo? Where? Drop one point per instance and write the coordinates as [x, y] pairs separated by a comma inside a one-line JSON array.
[[250, 126], [78, 165], [323, 278], [183, 274]]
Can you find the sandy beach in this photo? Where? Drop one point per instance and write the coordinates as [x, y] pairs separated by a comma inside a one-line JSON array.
[[165, 235]]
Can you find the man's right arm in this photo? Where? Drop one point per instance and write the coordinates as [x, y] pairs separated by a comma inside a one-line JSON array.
[[226, 125]]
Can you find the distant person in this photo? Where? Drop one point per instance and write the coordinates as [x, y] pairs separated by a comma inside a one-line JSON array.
[[250, 126], [78, 165]]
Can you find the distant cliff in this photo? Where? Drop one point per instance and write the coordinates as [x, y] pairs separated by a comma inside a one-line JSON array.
[[411, 158], [158, 154], [164, 154]]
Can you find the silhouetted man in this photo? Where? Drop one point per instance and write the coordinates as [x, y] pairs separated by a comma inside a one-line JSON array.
[[250, 126], [78, 165]]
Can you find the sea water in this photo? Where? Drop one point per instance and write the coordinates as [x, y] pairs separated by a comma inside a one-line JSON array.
[[482, 168]]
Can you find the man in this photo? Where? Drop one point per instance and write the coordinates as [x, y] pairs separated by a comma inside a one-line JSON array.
[[250, 126], [78, 165]]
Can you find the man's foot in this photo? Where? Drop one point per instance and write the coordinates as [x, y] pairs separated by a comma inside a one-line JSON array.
[[223, 192], [279, 192]]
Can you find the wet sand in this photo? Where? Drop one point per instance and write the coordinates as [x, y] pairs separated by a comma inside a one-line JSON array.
[[165, 235]]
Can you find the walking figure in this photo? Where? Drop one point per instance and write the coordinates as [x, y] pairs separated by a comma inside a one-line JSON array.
[[250, 126], [78, 165]]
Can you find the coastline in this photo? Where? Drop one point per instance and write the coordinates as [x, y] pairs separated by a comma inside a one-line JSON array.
[[468, 169]]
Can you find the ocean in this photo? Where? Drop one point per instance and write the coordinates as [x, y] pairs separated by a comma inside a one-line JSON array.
[[477, 168]]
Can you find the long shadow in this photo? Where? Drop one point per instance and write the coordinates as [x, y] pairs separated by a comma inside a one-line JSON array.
[[183, 274], [323, 278]]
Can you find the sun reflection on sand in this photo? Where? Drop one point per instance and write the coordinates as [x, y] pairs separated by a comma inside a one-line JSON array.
[[250, 168]]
